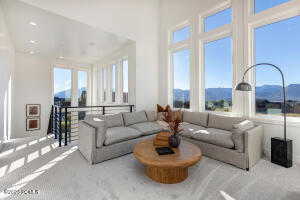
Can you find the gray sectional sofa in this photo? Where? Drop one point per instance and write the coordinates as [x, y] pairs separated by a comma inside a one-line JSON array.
[[233, 140]]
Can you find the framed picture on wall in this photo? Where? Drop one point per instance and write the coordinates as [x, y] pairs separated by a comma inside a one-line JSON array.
[[33, 124], [33, 110]]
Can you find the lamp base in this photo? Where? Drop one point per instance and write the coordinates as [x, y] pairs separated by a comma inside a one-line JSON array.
[[282, 152]]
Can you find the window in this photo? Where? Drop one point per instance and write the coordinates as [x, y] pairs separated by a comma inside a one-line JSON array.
[[181, 77], [261, 5], [82, 88], [278, 43], [125, 80], [82, 92], [62, 86], [113, 82], [218, 75], [217, 20], [104, 78], [181, 34]]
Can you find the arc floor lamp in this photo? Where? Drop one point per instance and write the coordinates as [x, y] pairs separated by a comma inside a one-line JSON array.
[[281, 148]]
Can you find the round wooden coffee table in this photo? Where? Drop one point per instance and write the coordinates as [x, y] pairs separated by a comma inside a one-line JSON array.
[[172, 168]]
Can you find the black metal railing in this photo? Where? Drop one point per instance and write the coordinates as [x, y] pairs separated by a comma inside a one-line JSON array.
[[64, 120]]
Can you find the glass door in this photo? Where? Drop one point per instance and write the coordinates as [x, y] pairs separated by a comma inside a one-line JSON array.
[[62, 86]]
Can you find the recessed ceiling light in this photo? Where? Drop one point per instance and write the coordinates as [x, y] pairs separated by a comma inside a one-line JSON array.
[[31, 52], [33, 41], [32, 23], [61, 57]]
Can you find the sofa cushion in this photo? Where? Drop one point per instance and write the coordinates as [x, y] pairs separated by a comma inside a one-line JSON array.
[[92, 116], [148, 128], [188, 130], [151, 116], [198, 118], [134, 118], [215, 136], [238, 134], [115, 120], [119, 134], [223, 122]]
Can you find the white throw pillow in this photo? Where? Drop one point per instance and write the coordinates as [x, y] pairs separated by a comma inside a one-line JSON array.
[[243, 126], [238, 136]]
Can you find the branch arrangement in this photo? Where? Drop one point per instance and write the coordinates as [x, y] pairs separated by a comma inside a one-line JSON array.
[[174, 120]]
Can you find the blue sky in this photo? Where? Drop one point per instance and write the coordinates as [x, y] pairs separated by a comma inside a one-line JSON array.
[[125, 75], [62, 79], [277, 43], [261, 5]]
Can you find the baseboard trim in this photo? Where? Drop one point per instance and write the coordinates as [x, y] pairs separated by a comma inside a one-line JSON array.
[[297, 159]]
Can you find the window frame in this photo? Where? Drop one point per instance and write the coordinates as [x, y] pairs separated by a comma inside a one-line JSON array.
[[107, 78], [122, 79], [177, 28], [175, 47], [272, 15], [74, 80], [219, 8], [114, 63], [220, 37], [210, 36], [251, 5]]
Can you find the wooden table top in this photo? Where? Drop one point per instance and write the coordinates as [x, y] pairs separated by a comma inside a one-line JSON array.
[[187, 154]]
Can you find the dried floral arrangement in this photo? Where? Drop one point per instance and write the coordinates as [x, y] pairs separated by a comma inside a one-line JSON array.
[[174, 120]]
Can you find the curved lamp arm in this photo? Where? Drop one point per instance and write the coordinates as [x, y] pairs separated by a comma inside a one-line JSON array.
[[283, 89]]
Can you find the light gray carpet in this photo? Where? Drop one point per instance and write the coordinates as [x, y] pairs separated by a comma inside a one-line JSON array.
[[62, 173]]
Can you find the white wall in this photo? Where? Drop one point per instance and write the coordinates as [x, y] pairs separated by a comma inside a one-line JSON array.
[[6, 77], [137, 20], [32, 85], [174, 12]]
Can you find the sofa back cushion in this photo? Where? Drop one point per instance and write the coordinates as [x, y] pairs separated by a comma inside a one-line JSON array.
[[115, 120], [151, 116], [197, 118], [92, 116], [223, 122], [134, 118]]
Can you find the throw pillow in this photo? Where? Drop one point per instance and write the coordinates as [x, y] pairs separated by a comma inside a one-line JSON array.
[[238, 135]]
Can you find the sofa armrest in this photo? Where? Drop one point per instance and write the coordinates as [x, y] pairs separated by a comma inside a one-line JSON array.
[[87, 140], [254, 145]]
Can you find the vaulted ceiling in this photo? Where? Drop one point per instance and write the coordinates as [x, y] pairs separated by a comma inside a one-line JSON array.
[[40, 32]]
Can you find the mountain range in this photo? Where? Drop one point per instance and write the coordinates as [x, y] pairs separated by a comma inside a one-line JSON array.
[[67, 93], [272, 93], [269, 92]]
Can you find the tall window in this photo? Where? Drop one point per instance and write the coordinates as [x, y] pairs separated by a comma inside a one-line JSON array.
[[181, 77], [261, 5], [218, 75], [180, 66], [104, 82], [113, 82], [62, 86], [82, 88], [278, 43], [217, 20], [125, 80]]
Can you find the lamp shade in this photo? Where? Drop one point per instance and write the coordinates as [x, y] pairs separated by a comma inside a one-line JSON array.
[[243, 86]]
